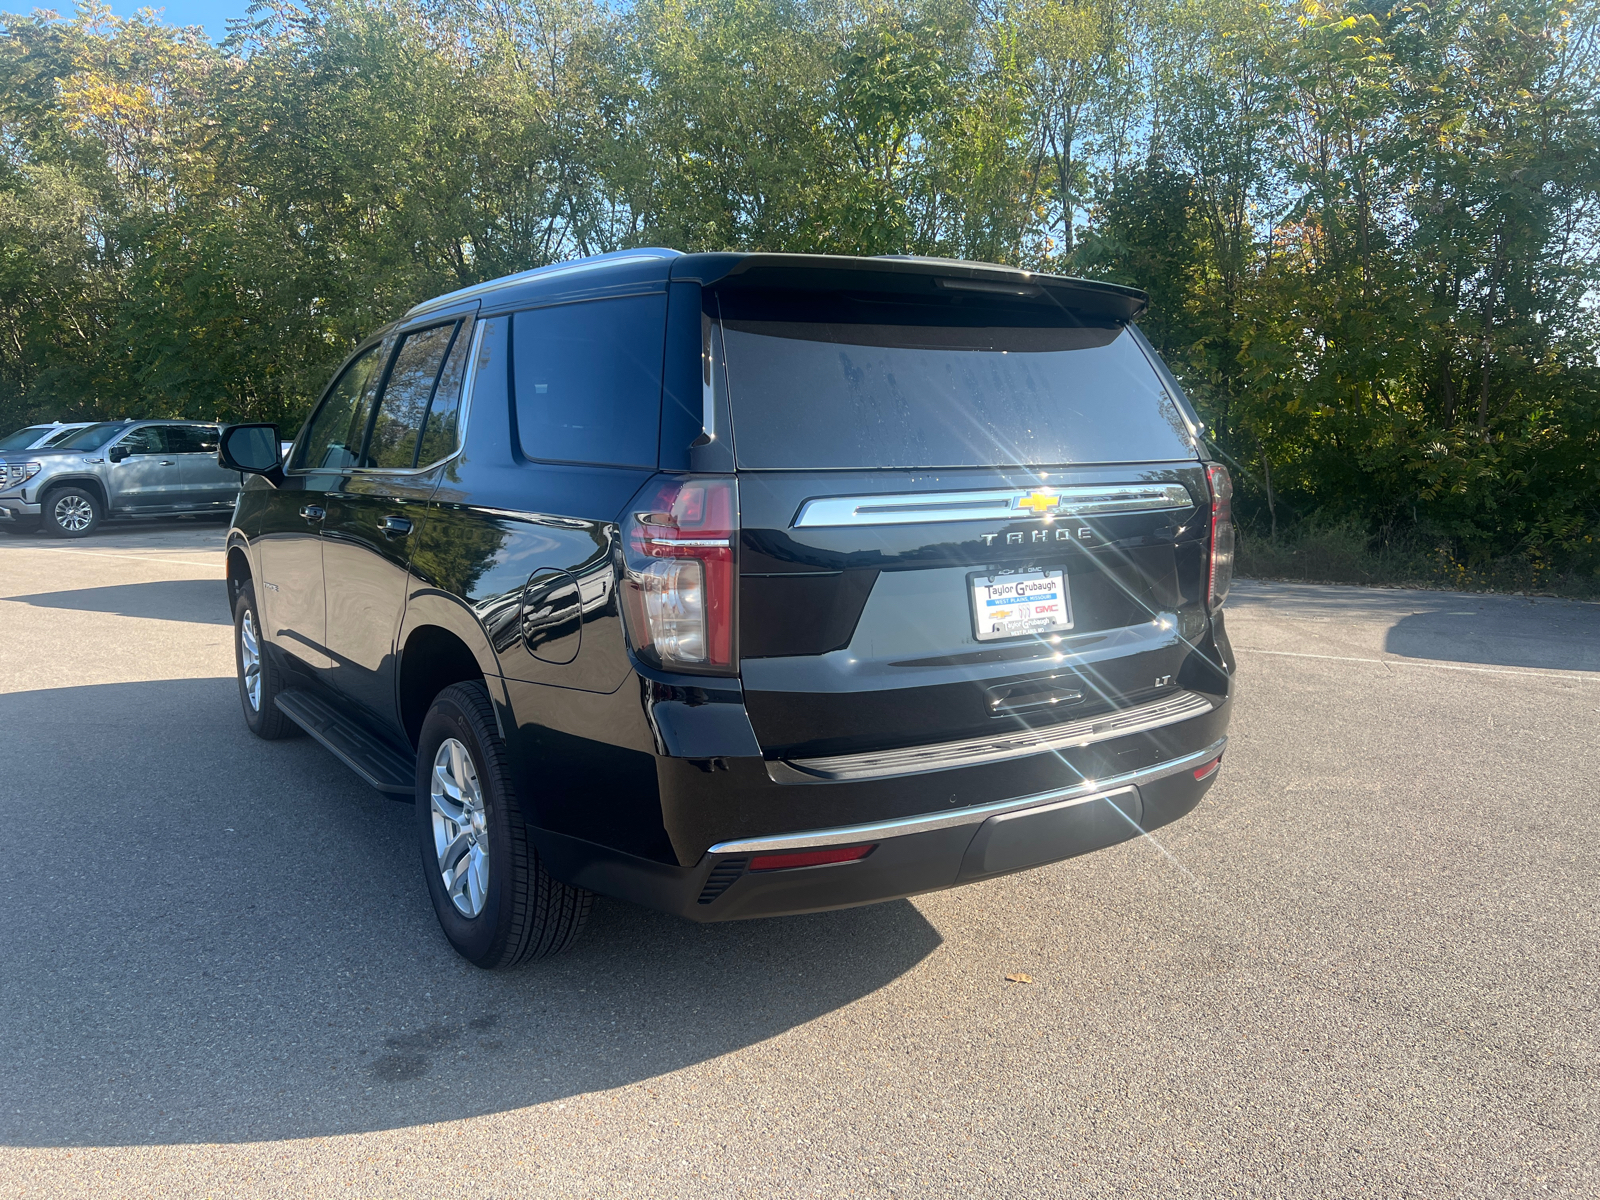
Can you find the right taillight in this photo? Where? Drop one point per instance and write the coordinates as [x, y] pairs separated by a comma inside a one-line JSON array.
[[1221, 570], [679, 584]]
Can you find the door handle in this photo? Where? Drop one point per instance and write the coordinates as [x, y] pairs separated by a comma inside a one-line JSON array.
[[313, 512], [166, 462], [396, 527]]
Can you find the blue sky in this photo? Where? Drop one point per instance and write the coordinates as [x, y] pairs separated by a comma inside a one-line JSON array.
[[213, 14]]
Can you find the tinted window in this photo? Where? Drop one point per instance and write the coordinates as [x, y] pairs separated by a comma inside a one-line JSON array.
[[407, 395], [588, 380], [985, 390], [444, 415], [23, 438], [191, 439], [92, 437], [151, 439], [333, 441]]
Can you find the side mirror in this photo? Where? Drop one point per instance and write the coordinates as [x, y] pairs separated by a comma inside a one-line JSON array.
[[252, 449], [118, 453]]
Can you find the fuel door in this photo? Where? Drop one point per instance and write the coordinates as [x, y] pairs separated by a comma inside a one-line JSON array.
[[551, 615]]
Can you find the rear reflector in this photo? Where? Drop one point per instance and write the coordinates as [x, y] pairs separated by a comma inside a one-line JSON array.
[[811, 858], [1220, 575], [1209, 769]]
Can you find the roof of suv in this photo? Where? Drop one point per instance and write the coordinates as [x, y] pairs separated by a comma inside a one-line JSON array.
[[622, 271]]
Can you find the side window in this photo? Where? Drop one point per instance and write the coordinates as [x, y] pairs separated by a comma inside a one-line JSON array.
[[588, 380], [191, 439], [145, 441], [406, 397], [334, 439], [444, 414]]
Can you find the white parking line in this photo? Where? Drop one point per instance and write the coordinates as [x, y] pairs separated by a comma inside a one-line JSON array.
[[182, 562], [1585, 676]]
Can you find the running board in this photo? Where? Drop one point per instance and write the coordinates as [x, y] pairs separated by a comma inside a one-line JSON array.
[[370, 757]]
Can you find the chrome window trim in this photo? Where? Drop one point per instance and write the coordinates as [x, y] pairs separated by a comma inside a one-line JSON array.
[[1088, 790], [467, 381], [917, 508], [991, 748]]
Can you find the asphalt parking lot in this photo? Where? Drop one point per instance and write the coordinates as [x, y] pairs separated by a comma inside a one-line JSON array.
[[1367, 964]]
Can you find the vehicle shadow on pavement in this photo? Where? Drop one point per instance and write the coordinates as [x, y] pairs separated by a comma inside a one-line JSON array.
[[1565, 637], [1453, 627], [214, 939], [200, 600]]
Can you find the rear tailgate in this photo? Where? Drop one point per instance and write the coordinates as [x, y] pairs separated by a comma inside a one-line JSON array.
[[961, 514], [864, 636]]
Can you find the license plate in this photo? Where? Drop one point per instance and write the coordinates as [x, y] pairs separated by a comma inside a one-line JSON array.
[[1017, 603]]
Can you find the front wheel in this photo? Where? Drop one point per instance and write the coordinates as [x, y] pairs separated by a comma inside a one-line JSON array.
[[71, 512], [495, 901], [259, 678]]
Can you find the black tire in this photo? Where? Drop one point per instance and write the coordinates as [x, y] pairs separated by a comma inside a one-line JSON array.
[[71, 512], [264, 717], [526, 913]]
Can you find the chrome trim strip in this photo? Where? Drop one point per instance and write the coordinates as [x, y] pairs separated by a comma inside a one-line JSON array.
[[1089, 789], [1077, 500], [971, 752]]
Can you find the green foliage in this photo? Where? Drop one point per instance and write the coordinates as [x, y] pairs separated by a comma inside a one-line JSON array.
[[1371, 233]]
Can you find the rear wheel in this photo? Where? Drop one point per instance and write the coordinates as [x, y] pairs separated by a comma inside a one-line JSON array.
[[71, 512], [495, 901], [260, 681]]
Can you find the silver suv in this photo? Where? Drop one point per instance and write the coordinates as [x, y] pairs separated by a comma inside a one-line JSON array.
[[113, 469]]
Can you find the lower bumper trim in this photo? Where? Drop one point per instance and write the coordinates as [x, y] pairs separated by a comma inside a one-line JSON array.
[[1089, 789], [992, 748]]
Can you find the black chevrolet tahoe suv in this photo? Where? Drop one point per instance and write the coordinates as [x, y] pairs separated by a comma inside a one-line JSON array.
[[743, 584]]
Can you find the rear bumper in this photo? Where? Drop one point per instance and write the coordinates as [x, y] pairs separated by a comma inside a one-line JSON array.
[[910, 855]]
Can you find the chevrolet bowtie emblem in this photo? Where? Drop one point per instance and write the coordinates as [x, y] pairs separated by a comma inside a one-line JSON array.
[[1039, 503]]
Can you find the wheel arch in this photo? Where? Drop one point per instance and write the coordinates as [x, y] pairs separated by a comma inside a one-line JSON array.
[[87, 483], [239, 572], [436, 651]]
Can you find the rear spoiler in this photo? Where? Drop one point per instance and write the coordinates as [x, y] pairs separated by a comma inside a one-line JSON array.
[[910, 276]]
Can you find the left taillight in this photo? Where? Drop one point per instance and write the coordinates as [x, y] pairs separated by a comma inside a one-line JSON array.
[[680, 581], [1221, 573]]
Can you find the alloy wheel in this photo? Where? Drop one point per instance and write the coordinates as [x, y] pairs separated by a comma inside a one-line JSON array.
[[73, 513], [460, 828], [250, 660]]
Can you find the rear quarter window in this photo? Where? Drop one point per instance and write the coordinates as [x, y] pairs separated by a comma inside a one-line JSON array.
[[907, 391], [587, 380]]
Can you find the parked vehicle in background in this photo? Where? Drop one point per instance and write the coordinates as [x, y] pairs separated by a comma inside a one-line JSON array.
[[38, 437], [743, 584], [116, 469]]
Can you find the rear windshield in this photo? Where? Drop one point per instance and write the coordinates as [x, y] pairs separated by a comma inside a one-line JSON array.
[[960, 389], [91, 437]]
